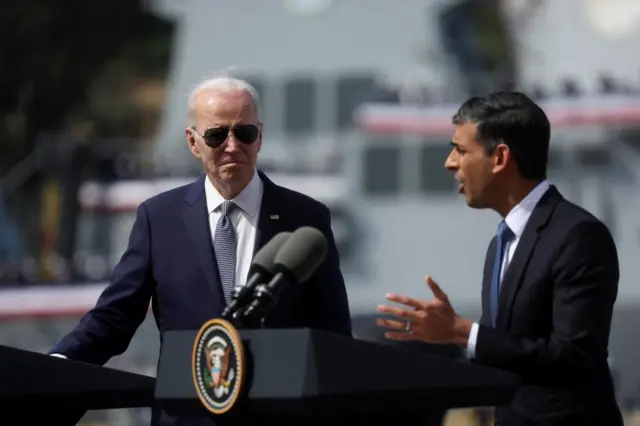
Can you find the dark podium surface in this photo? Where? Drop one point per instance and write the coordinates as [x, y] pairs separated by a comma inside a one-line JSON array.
[[41, 389], [33, 379], [295, 376], [311, 373]]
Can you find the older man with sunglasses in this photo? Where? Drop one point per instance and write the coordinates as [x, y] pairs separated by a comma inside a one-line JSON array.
[[190, 246]]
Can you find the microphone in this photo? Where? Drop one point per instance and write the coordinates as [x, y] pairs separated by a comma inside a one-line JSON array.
[[260, 271], [296, 261]]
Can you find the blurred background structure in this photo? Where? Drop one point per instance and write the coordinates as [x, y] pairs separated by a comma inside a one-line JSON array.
[[357, 96]]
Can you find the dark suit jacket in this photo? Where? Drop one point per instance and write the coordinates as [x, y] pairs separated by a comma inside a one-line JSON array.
[[554, 318], [170, 262]]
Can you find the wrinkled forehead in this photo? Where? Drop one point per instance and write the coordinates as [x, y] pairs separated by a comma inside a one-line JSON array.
[[224, 108]]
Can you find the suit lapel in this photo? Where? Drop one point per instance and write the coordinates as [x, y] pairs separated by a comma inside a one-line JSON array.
[[196, 221], [514, 274], [270, 221]]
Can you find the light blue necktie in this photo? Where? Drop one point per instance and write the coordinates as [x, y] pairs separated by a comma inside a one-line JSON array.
[[504, 236], [224, 246]]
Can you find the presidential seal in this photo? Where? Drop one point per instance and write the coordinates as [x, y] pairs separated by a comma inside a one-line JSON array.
[[218, 365]]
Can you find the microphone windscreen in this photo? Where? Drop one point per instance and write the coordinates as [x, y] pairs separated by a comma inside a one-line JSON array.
[[303, 253], [265, 257]]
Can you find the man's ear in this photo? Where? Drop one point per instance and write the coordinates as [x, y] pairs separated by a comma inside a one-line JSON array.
[[191, 141], [501, 157]]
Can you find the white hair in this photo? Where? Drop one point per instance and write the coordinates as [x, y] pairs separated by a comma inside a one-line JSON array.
[[226, 84]]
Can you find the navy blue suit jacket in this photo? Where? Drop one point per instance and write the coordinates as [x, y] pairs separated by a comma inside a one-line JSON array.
[[170, 263], [555, 311]]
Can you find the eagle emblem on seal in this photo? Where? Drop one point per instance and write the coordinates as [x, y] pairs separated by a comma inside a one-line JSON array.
[[218, 375]]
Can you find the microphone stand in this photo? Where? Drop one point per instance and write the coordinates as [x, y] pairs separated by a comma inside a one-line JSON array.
[[241, 320], [242, 317], [252, 313], [234, 311]]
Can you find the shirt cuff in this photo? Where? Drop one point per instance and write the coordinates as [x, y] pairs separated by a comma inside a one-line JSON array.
[[473, 338]]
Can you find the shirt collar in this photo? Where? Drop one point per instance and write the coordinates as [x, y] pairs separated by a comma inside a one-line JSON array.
[[518, 216], [248, 200]]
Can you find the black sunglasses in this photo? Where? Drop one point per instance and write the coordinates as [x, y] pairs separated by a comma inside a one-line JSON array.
[[216, 136]]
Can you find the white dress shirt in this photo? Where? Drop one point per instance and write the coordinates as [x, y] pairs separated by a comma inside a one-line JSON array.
[[244, 219], [516, 220]]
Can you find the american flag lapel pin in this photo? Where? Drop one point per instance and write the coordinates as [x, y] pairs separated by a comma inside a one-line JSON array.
[[274, 216]]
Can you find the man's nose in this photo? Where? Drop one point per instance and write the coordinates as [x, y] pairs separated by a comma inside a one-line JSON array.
[[450, 163], [232, 143]]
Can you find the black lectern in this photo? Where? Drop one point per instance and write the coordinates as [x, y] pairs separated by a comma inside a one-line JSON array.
[[302, 375], [39, 387]]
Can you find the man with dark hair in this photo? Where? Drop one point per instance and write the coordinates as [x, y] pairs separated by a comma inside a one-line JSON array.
[[550, 276]]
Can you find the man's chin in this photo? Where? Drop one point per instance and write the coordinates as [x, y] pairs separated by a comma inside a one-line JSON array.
[[475, 204], [471, 202]]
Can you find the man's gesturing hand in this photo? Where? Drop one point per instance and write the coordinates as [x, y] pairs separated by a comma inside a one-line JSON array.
[[433, 321]]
